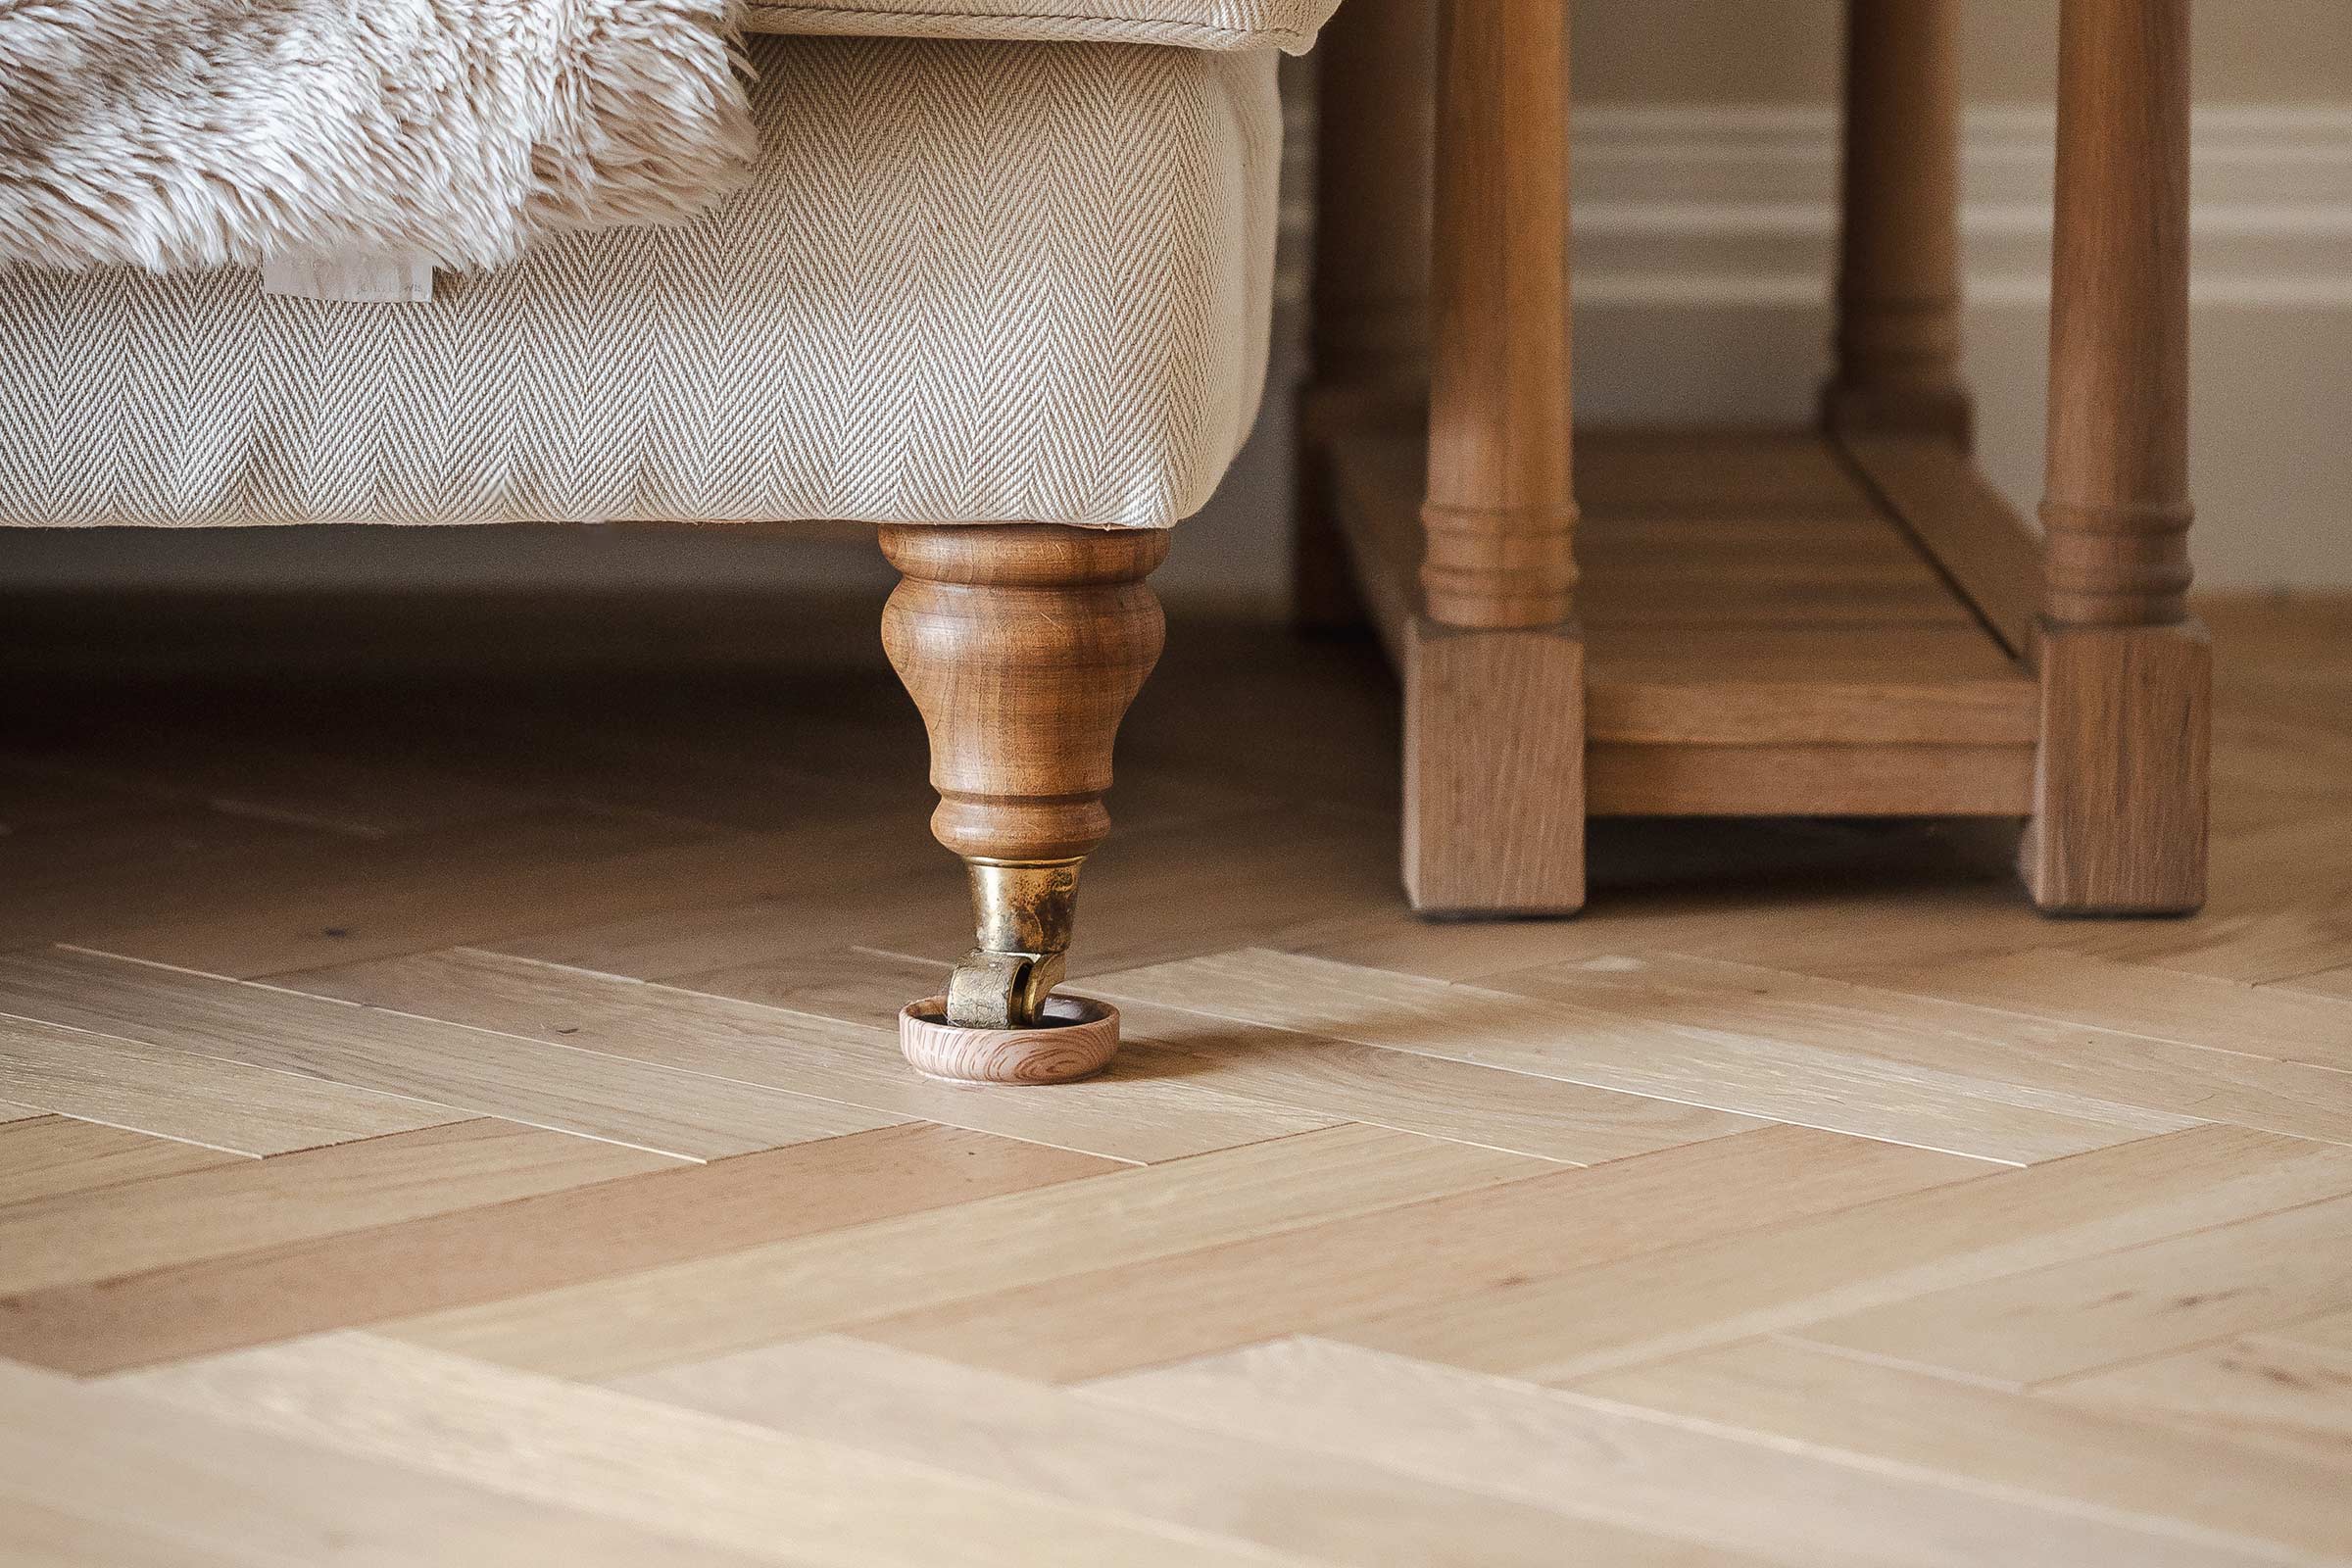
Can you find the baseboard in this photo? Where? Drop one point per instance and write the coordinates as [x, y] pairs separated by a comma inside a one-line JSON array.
[[1706, 239], [1716, 205]]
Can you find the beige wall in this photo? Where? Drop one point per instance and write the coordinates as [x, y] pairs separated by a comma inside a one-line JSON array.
[[1786, 51]]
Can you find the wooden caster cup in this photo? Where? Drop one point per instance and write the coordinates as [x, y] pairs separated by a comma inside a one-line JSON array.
[[1076, 1041]]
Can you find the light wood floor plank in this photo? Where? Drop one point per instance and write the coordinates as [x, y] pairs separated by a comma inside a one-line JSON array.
[[1127, 1113], [342, 780], [1434, 1096], [1437, 1095], [2329, 1331], [83, 876], [1658, 1304], [472, 882], [1422, 1255], [1323, 1507], [487, 1254], [1738, 1070], [2278, 904], [1607, 1462], [2153, 1475], [2333, 983], [654, 1466], [2285, 1399], [117, 1479], [248, 1204], [2072, 1068], [47, 1157], [2075, 1191], [760, 1295], [688, 1115], [2141, 1000], [197, 1099], [2097, 1311]]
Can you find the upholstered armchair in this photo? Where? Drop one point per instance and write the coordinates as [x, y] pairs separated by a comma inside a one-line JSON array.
[[998, 282]]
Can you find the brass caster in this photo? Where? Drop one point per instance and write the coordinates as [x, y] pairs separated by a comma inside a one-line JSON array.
[[1003, 990], [1075, 1039]]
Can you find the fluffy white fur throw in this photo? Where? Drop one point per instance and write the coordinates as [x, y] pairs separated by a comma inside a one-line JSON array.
[[175, 134]]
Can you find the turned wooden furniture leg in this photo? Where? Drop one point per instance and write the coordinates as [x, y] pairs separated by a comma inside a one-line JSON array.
[[1898, 275], [1494, 668], [1022, 646], [2120, 797], [1369, 303]]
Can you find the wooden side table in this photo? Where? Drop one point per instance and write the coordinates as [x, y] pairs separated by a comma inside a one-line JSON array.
[[1841, 620]]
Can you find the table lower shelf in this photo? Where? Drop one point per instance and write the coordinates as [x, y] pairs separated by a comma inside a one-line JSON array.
[[1765, 634]]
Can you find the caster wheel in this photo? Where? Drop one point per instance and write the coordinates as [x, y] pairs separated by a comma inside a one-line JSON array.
[[1076, 1041]]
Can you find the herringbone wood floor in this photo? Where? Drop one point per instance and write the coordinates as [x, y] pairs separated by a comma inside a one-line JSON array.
[[455, 1122]]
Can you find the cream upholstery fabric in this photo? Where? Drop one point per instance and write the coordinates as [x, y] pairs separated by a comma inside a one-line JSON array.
[[971, 282], [1195, 24]]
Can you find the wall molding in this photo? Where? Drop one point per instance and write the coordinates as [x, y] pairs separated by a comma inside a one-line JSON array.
[[1735, 205]]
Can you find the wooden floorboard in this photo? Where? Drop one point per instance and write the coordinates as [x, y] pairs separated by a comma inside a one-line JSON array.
[[447, 1119]]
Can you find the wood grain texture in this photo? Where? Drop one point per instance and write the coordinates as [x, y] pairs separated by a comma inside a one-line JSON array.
[[345, 902], [967, 1421], [2283, 1022], [649, 1467], [2124, 1082], [1493, 771], [1869, 781], [1648, 1307], [2280, 1400], [1968, 528], [1434, 1096], [2123, 772], [2116, 499], [755, 1296], [857, 1068], [1567, 1026], [46, 1157], [196, 1099], [1023, 647], [1422, 1255], [2158, 1477], [691, 1115], [2078, 1316], [1773, 1089], [1743, 655], [1494, 667], [84, 1236], [1368, 294], [1899, 260], [439, 1262], [1308, 1506], [1628, 1467], [2120, 819], [104, 1476], [1075, 1040], [1500, 512]]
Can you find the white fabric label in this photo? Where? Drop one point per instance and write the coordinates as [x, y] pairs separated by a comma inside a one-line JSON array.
[[367, 278]]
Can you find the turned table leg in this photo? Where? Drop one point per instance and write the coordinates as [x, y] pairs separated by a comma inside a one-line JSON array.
[[2120, 800], [1368, 298], [1494, 668], [1022, 646], [1898, 272]]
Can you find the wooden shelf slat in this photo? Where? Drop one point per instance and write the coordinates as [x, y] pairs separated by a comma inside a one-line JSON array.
[[1763, 635], [1964, 525]]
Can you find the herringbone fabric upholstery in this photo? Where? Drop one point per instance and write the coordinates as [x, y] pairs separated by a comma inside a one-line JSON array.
[[1195, 24], [971, 282]]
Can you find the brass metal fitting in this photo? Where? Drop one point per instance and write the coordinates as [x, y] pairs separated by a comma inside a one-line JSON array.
[[1023, 912]]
